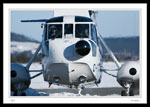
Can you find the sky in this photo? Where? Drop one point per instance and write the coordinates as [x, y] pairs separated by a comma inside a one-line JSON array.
[[111, 23]]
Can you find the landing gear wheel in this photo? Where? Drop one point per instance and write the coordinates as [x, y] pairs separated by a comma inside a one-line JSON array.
[[128, 89], [80, 89], [19, 94], [23, 94], [124, 93], [15, 94], [131, 93]]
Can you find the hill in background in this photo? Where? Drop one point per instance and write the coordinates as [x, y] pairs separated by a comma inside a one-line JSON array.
[[124, 48], [21, 38], [124, 45]]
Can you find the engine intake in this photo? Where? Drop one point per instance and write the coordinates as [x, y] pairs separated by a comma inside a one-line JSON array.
[[129, 72], [132, 71], [20, 77]]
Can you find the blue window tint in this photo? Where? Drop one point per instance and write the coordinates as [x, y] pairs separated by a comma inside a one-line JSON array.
[[94, 33], [93, 48], [82, 30]]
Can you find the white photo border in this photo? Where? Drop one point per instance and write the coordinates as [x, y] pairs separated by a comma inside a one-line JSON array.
[[142, 7]]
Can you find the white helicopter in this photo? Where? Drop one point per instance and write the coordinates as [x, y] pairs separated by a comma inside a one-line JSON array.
[[72, 55]]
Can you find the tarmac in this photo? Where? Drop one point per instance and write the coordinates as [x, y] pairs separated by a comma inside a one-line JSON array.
[[113, 91]]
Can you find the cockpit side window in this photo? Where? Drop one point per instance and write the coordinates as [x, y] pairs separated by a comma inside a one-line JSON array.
[[45, 32], [54, 31], [82, 30]]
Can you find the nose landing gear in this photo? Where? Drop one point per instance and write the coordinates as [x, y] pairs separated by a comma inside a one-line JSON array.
[[128, 89], [19, 91], [80, 90]]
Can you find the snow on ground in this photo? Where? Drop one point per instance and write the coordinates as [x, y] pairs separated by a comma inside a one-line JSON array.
[[107, 80], [38, 82], [23, 46]]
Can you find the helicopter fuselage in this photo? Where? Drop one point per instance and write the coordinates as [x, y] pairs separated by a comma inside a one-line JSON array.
[[71, 58]]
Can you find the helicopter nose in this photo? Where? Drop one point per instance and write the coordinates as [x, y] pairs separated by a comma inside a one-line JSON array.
[[82, 47]]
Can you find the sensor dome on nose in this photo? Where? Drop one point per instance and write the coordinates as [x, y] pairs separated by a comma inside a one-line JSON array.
[[82, 47], [132, 71]]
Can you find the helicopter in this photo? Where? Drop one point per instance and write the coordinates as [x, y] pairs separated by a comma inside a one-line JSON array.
[[71, 55]]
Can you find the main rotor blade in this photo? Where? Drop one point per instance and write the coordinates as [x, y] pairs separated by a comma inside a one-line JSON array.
[[38, 20]]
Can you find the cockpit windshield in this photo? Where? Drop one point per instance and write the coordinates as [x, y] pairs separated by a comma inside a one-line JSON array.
[[82, 30], [67, 30], [54, 31]]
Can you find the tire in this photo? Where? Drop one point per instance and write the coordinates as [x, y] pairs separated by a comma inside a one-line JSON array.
[[131, 93], [123, 93]]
